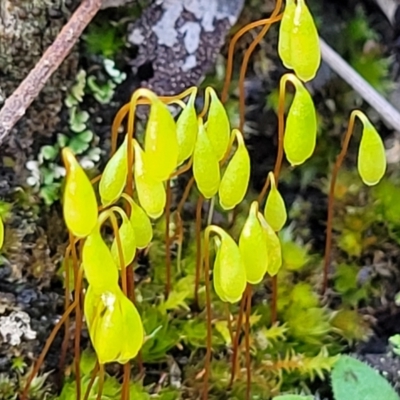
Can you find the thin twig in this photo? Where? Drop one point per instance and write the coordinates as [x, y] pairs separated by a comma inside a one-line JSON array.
[[16, 105], [388, 113]]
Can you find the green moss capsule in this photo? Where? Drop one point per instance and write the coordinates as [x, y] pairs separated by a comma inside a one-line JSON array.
[[371, 155], [186, 130], [161, 142], [273, 247], [253, 247], [141, 225], [1, 233], [151, 193], [235, 181], [128, 241], [205, 165], [301, 126], [304, 46], [285, 34], [79, 200], [113, 179], [114, 325], [218, 126], [229, 271], [275, 210], [98, 263]]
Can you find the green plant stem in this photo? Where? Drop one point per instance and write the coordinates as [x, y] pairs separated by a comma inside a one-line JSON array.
[[167, 241], [198, 250], [229, 322], [331, 198], [247, 341], [126, 381], [274, 299]]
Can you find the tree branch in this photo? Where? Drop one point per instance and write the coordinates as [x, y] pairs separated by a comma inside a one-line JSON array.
[[16, 105]]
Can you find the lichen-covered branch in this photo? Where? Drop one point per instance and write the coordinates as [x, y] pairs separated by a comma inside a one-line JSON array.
[[15, 106]]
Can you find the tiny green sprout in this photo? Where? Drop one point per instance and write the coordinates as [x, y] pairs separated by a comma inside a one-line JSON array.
[[98, 263], [151, 192], [186, 129], [206, 170], [161, 142], [141, 224], [371, 154], [253, 247], [80, 204], [128, 240], [218, 126], [235, 181], [275, 209], [273, 247], [114, 325], [113, 179], [1, 233], [301, 123], [298, 45], [229, 271]]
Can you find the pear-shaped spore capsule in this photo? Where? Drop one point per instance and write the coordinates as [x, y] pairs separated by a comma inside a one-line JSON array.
[[218, 126], [304, 45], [141, 225], [79, 200], [253, 247], [275, 210], [1, 233], [114, 325], [161, 142], [186, 130], [151, 192], [229, 272], [371, 155], [301, 126], [128, 242], [235, 181], [205, 165], [273, 247], [113, 179], [99, 266], [285, 34]]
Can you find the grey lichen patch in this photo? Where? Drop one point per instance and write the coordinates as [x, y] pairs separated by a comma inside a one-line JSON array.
[[15, 327], [181, 39]]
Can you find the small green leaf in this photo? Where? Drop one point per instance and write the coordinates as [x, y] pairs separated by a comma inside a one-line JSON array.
[[371, 155], [205, 165], [218, 126], [1, 233], [235, 181], [78, 119], [49, 152], [301, 126], [275, 209], [352, 379]]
